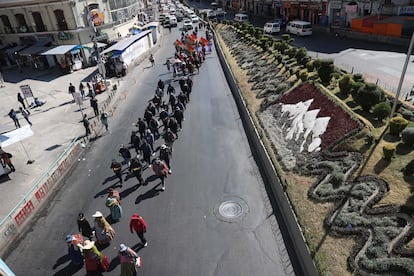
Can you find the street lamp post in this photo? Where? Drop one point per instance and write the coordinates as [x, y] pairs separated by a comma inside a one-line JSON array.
[[407, 59]]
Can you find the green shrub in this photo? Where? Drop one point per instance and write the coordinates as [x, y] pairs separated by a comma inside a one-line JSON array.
[[358, 77], [337, 179], [286, 37], [382, 110], [336, 75], [409, 168], [407, 114], [355, 87], [407, 136], [317, 63], [397, 124], [303, 75], [310, 66], [325, 70], [300, 55], [369, 95], [388, 150], [346, 84]]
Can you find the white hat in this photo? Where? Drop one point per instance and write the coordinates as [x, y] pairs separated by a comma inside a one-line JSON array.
[[97, 214], [88, 244], [163, 146], [122, 247]]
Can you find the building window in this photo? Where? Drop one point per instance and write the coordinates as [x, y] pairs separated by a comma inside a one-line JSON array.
[[21, 22], [61, 21], [7, 25], [37, 18]]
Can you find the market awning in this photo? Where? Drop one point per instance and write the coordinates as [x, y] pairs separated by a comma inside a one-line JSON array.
[[125, 43], [33, 50], [90, 45], [9, 138], [61, 50]]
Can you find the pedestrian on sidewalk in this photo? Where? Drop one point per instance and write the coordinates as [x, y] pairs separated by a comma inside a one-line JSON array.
[[128, 259], [13, 115], [72, 90], [84, 227], [117, 169], [104, 232], [138, 225], [25, 114], [161, 171], [151, 59], [21, 100], [86, 124], [94, 104], [6, 157], [104, 120], [82, 90]]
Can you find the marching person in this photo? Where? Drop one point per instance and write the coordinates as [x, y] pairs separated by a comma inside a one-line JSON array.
[[114, 193], [104, 232], [74, 251], [127, 258], [141, 127], [138, 224], [117, 169], [104, 120], [135, 168], [93, 259], [160, 169], [115, 207], [179, 116], [125, 153], [84, 227], [169, 138], [146, 151], [135, 142], [149, 137], [165, 154], [161, 85]]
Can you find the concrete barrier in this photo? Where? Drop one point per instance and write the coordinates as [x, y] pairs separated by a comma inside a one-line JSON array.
[[299, 254]]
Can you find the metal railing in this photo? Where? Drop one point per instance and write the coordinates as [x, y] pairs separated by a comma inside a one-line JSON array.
[[38, 182]]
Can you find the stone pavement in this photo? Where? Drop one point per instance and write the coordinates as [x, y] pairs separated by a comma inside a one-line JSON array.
[[55, 125]]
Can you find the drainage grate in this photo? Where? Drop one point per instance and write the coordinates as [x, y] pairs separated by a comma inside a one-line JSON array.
[[231, 210]]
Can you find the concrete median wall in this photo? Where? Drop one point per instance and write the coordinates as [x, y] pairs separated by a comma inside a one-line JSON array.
[[299, 254]]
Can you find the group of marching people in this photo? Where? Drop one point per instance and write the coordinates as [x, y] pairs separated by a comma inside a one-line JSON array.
[[162, 120]]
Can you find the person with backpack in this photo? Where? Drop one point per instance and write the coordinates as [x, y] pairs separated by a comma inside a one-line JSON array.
[[135, 168], [138, 225], [117, 169], [135, 142], [125, 153], [165, 154], [161, 170]]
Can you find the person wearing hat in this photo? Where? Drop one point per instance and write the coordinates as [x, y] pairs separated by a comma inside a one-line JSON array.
[[127, 258], [93, 258], [165, 154], [74, 251], [104, 232], [135, 168], [117, 169], [84, 227], [115, 207], [161, 170]]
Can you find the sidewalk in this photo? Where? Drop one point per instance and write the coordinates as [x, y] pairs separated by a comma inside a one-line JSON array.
[[55, 125]]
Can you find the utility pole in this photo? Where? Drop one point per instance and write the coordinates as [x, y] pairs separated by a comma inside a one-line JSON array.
[[101, 66], [407, 59]]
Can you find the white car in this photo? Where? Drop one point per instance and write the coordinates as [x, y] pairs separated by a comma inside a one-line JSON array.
[[195, 19], [187, 25]]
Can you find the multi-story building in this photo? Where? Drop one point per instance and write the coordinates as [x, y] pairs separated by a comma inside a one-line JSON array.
[[27, 27]]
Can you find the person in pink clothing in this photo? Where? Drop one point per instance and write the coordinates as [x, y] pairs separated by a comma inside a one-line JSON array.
[[161, 170]]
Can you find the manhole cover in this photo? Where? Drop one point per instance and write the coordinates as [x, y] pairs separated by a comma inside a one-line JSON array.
[[231, 209]]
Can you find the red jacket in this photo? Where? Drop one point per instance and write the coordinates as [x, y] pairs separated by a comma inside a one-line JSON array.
[[137, 223]]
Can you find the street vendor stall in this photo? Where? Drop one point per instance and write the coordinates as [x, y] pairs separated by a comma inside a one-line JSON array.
[[69, 57]]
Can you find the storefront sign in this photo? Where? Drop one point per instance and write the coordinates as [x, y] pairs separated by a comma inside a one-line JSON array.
[[26, 91], [64, 36], [406, 10]]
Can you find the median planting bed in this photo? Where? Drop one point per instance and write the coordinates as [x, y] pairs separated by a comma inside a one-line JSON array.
[[320, 133]]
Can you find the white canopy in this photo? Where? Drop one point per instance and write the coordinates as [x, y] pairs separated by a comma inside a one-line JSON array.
[[60, 50], [9, 138]]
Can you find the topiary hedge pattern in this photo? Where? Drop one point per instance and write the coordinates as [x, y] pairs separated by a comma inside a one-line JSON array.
[[369, 95], [381, 110], [388, 150], [397, 124], [407, 136]]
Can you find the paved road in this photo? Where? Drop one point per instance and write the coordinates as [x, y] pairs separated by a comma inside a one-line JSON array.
[[212, 164]]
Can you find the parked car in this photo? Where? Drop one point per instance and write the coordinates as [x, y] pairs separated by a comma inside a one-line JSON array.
[[187, 25], [300, 28], [271, 28], [195, 19], [179, 16]]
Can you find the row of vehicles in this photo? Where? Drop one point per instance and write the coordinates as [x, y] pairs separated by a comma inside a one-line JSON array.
[[297, 27], [171, 14]]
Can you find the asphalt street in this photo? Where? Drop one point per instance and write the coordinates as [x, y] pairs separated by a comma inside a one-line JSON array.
[[213, 174]]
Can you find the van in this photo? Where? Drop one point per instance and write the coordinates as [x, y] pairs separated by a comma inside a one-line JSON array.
[[173, 21], [241, 17], [300, 28], [271, 28]]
